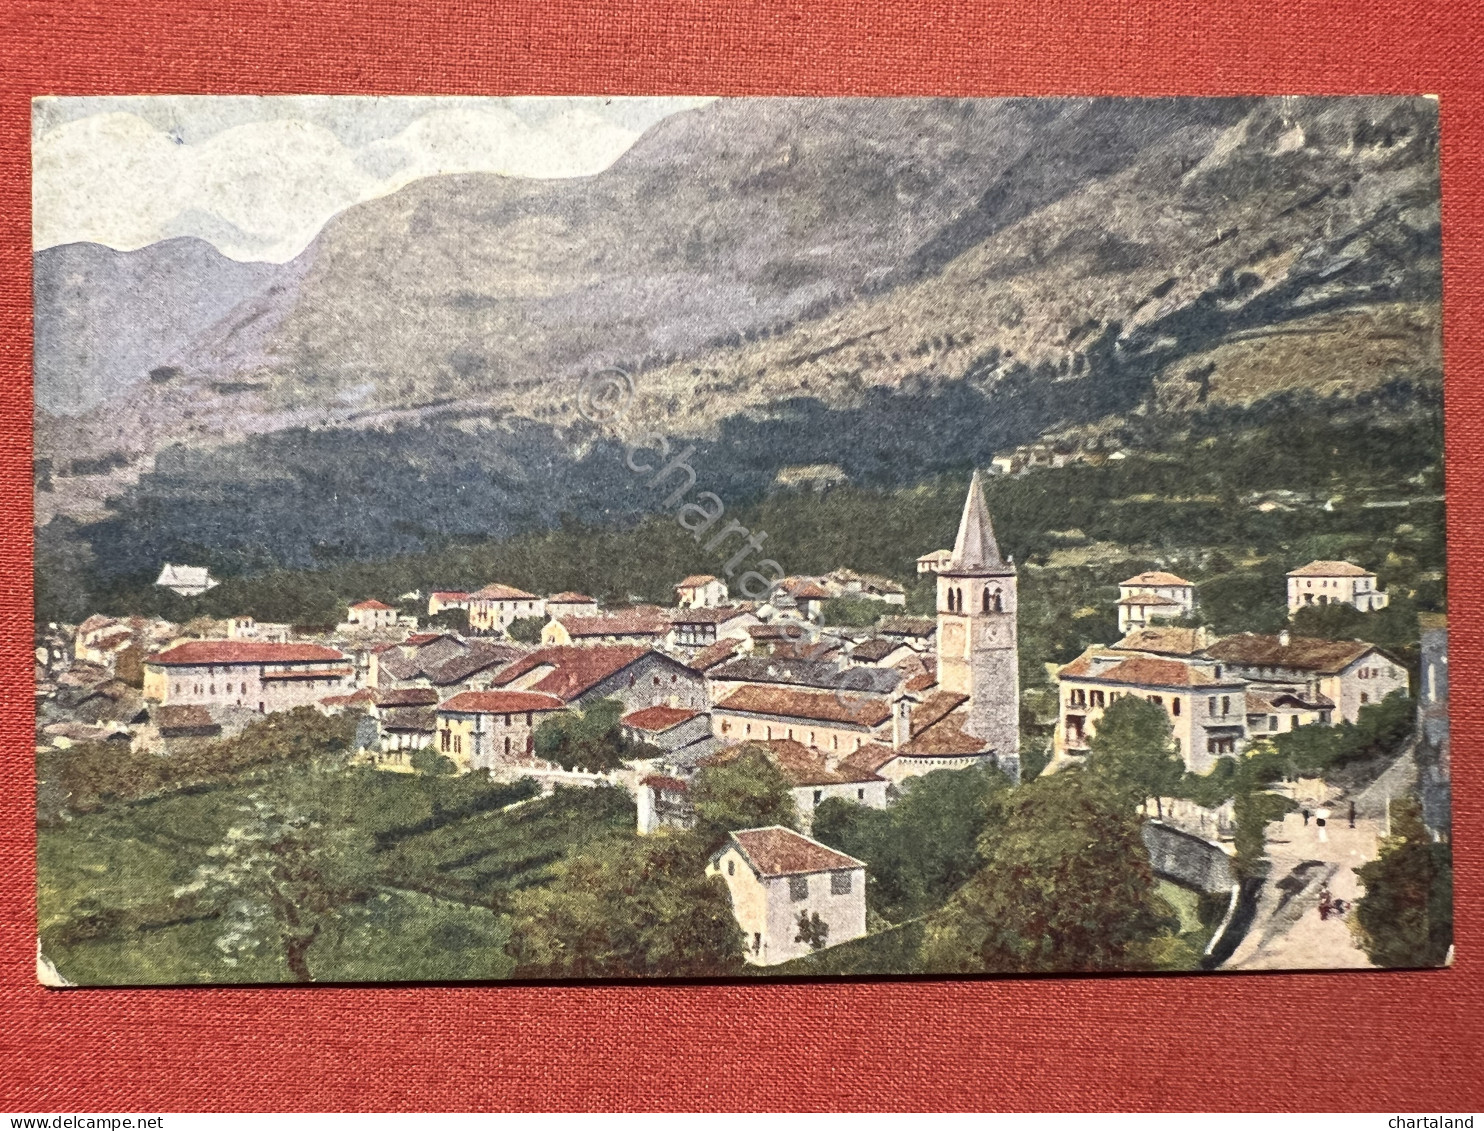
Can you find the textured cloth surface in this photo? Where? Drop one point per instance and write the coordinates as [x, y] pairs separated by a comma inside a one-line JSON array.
[[1397, 1041]]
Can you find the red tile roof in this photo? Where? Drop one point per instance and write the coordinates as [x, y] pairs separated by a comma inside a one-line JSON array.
[[625, 622], [1329, 569], [707, 658], [196, 652], [377, 605], [667, 784], [577, 669], [778, 851], [1168, 641], [801, 765], [498, 592], [449, 594], [1155, 577], [501, 702], [818, 706], [657, 718], [355, 698], [1145, 671], [809, 590], [695, 581], [1148, 600]]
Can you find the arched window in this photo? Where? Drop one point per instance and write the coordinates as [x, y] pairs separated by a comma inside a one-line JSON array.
[[986, 600]]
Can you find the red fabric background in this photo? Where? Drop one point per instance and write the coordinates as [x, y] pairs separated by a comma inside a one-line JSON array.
[[1291, 1041]]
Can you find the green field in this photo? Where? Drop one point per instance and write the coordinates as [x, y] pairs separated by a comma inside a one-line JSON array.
[[181, 888]]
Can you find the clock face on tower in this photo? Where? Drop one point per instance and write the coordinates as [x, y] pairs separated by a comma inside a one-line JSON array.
[[995, 634]]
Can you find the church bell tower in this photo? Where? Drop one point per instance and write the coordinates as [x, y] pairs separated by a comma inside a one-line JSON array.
[[978, 653]]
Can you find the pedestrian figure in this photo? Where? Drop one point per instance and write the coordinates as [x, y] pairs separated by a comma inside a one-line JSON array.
[[1352, 814], [1321, 818], [1324, 903], [1306, 818]]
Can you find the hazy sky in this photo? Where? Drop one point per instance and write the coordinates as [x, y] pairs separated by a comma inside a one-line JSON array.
[[259, 176]]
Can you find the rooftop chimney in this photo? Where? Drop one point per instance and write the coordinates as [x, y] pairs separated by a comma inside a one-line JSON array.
[[901, 728], [1284, 639]]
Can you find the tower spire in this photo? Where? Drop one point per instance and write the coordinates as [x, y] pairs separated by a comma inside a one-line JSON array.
[[975, 550]]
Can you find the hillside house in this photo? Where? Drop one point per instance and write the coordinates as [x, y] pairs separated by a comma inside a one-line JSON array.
[[879, 652], [645, 625], [637, 677], [700, 591], [188, 581], [404, 730], [560, 605], [492, 608], [246, 628], [371, 616], [1270, 710], [932, 563], [779, 878], [440, 599], [492, 730], [1334, 583], [1348, 673], [666, 728], [848, 583], [1153, 596], [834, 722], [237, 673], [474, 670], [1206, 704], [696, 628]]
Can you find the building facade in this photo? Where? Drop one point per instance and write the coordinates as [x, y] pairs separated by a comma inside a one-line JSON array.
[[258, 676], [701, 591], [1153, 596], [489, 730], [784, 884], [1334, 583], [492, 608]]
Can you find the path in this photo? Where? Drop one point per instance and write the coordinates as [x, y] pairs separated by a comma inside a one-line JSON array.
[[1287, 932]]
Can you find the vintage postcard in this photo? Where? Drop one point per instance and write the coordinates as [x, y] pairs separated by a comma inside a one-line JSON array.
[[537, 538]]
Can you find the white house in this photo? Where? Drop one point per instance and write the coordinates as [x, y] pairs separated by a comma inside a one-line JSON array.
[[560, 605], [188, 581], [371, 615], [1334, 583], [1153, 596], [932, 563], [791, 895], [492, 608], [700, 591]]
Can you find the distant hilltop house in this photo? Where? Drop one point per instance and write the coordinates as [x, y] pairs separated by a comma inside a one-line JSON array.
[[645, 624], [1153, 596], [246, 628], [848, 583], [932, 563], [569, 604], [440, 599], [492, 608], [1030, 457], [1334, 583], [371, 615], [790, 894], [188, 581], [811, 477], [701, 591]]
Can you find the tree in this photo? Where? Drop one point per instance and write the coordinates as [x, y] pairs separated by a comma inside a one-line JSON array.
[[450, 620], [922, 849], [1405, 917], [589, 739], [746, 792], [1134, 750], [628, 907], [813, 931], [526, 630], [1066, 885], [429, 761]]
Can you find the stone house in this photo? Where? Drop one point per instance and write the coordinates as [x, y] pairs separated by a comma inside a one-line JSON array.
[[778, 878], [254, 676], [491, 730], [697, 628], [1348, 673], [440, 599], [637, 677], [1334, 583]]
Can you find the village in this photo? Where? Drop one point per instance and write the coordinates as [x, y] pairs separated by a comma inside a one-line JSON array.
[[852, 714]]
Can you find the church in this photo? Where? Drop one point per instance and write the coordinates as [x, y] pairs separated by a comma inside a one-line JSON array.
[[978, 653]]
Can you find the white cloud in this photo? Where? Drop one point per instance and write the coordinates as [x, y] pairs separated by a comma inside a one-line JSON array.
[[260, 181]]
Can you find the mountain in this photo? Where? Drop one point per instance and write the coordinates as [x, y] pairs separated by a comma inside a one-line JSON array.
[[891, 286]]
